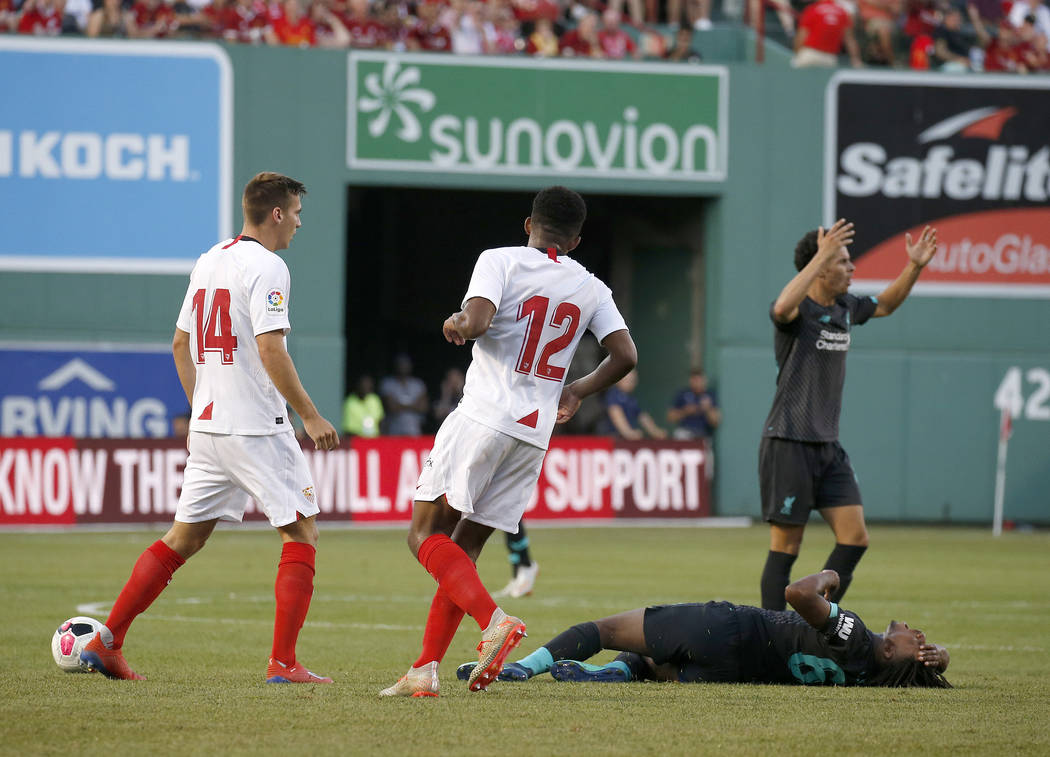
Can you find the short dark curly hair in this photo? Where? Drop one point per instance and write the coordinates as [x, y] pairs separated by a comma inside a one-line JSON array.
[[805, 249], [559, 211]]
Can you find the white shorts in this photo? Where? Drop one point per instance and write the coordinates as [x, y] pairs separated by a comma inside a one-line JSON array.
[[487, 475], [225, 471]]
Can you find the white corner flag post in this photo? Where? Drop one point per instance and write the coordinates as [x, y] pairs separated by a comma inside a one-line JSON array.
[[1005, 430]]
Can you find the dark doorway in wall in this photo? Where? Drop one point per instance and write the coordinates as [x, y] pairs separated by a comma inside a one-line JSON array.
[[410, 253]]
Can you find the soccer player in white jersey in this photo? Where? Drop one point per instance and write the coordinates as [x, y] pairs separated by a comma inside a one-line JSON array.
[[231, 357], [527, 309]]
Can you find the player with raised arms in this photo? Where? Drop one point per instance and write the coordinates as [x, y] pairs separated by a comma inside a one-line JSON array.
[[232, 360], [527, 308], [801, 464], [720, 642]]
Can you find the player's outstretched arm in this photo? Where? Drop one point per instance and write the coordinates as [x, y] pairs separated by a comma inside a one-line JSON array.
[[470, 322], [809, 596], [622, 358], [180, 349], [281, 370], [920, 253], [785, 309]]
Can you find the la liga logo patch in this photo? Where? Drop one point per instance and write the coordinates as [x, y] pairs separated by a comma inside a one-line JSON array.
[[275, 298]]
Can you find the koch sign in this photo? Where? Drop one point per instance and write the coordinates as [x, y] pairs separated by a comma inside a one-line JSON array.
[[511, 117], [84, 392], [115, 156], [968, 155]]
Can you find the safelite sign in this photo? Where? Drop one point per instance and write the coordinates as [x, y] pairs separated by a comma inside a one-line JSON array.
[[968, 155]]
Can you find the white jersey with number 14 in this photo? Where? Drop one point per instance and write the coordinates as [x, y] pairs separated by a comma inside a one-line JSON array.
[[238, 290], [544, 304]]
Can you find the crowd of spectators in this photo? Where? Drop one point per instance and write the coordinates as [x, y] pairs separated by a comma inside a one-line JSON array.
[[542, 28], [948, 35], [402, 406], [951, 35]]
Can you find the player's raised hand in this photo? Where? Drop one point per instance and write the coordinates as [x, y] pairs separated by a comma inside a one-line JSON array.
[[451, 331], [322, 432], [568, 404], [839, 235], [922, 251], [933, 656], [831, 583]]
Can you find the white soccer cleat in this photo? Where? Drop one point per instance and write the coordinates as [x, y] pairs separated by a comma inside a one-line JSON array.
[[506, 590], [417, 682], [524, 582]]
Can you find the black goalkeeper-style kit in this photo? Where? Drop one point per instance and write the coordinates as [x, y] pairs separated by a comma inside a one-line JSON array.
[[722, 642]]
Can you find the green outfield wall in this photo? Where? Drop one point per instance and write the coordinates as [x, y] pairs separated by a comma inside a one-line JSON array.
[[746, 142]]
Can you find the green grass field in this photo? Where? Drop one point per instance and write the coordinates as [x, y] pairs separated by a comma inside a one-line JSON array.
[[203, 645]]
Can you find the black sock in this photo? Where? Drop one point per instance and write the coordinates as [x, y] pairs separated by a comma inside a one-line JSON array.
[[633, 660], [775, 578], [518, 549], [578, 643], [843, 559]]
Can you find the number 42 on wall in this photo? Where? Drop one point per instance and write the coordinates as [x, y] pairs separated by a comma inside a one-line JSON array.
[[1010, 394]]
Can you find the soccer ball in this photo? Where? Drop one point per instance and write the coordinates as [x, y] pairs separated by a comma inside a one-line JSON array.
[[69, 641]]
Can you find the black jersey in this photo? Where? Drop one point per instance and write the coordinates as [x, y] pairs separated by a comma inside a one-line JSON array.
[[781, 647], [811, 368]]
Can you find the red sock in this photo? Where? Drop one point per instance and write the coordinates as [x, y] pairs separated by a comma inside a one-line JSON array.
[[456, 573], [152, 572], [442, 622], [294, 588]]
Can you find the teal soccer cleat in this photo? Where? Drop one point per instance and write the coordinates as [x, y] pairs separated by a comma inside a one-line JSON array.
[[512, 671], [571, 670]]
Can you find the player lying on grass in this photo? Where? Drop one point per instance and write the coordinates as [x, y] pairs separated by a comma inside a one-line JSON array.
[[719, 642]]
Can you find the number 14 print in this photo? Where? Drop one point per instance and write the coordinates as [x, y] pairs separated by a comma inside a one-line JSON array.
[[217, 335]]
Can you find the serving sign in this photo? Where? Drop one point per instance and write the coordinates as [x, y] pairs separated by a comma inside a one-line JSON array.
[[537, 118], [114, 156], [969, 155], [88, 390]]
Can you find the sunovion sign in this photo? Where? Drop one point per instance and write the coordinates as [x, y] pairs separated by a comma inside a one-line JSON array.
[[968, 155], [537, 118], [85, 391], [114, 156]]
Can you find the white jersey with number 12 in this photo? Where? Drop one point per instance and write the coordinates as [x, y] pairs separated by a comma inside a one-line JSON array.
[[544, 304], [238, 290]]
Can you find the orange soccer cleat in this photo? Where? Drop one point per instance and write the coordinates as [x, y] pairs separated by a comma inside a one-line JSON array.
[[278, 672], [109, 662], [504, 633]]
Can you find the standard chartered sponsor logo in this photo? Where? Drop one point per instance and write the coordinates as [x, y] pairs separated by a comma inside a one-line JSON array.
[[836, 341], [1008, 254], [456, 140]]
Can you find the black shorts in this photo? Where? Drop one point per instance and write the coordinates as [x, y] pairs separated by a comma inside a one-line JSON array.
[[702, 640], [796, 477]]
